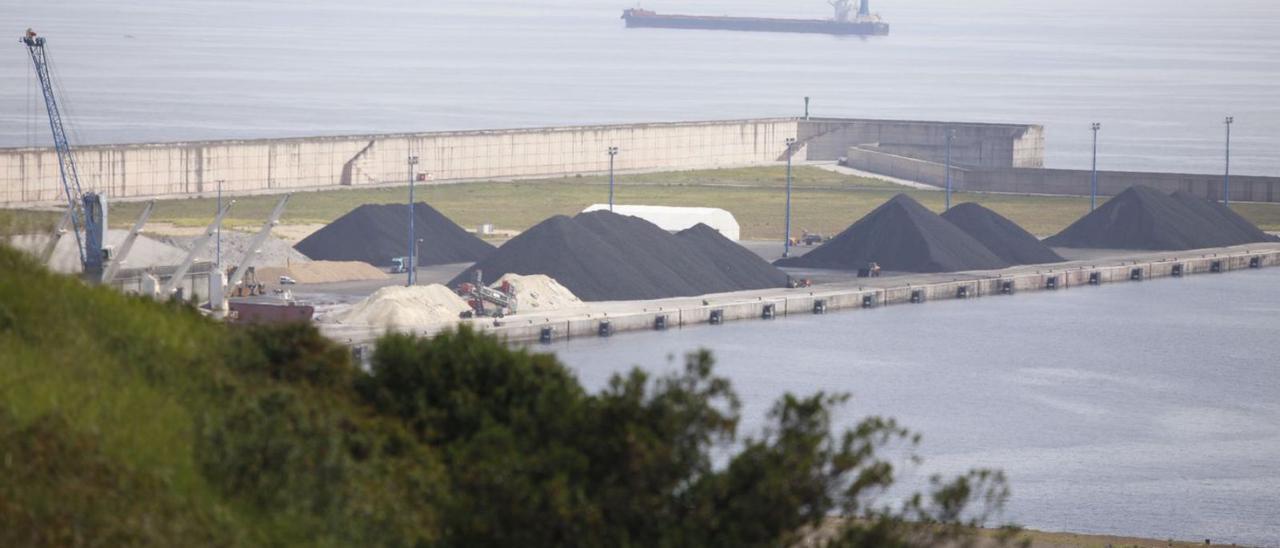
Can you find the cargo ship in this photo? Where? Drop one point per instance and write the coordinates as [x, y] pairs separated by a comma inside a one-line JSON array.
[[844, 22]]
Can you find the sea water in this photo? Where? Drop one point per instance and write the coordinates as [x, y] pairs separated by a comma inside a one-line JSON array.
[[1149, 409]]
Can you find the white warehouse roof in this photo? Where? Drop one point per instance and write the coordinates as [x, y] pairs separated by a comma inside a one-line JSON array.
[[675, 219]]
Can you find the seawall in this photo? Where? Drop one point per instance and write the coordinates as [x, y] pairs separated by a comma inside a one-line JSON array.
[[30, 176], [1069, 182]]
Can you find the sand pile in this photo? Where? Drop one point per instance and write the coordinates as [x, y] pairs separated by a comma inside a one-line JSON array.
[[375, 233], [739, 264], [1244, 232], [538, 292], [146, 252], [1144, 218], [320, 272], [407, 307], [274, 251], [602, 256], [901, 235], [1003, 237]]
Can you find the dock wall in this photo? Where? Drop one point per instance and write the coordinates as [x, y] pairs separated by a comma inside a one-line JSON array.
[[30, 176], [826, 299], [1069, 182]]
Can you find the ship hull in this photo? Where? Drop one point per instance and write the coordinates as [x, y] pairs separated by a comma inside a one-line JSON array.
[[756, 24]]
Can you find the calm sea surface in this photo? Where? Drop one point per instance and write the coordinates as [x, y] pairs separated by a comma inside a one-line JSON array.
[[1148, 408], [1159, 75]]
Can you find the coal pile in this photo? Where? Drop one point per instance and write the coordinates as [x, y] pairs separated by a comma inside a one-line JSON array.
[[376, 233], [901, 235], [1003, 237], [1244, 231], [602, 256], [743, 268], [1144, 218]]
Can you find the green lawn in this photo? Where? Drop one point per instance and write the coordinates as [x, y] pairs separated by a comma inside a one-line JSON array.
[[822, 201]]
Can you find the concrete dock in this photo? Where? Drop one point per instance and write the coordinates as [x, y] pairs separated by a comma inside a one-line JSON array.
[[609, 318]]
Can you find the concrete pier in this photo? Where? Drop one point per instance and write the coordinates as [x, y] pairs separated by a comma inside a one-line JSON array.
[[622, 316]]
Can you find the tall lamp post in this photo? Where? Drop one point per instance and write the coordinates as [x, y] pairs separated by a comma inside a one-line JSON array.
[[951, 134], [806, 107], [413, 255], [1226, 175], [218, 256], [786, 245], [1093, 184], [613, 151]]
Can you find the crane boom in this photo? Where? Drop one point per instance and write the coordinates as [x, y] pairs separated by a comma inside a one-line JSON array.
[[88, 209]]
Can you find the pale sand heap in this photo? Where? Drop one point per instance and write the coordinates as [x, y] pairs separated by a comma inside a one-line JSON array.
[[538, 292], [319, 272], [407, 307]]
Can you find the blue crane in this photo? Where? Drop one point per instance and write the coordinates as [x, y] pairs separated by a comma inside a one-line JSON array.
[[87, 210]]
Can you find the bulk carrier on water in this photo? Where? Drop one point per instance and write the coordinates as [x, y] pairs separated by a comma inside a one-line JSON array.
[[844, 22]]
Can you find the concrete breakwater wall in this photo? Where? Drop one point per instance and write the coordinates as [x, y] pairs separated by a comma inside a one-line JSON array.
[[771, 304], [1022, 180], [30, 176]]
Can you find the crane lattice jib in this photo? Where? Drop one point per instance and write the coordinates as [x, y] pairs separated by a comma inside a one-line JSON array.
[[66, 162]]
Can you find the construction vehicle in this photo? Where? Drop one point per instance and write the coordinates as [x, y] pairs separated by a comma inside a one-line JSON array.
[[871, 271], [811, 238], [480, 297], [399, 265], [249, 285], [87, 211]]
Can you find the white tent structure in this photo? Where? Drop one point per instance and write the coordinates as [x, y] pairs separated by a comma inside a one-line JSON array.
[[675, 219]]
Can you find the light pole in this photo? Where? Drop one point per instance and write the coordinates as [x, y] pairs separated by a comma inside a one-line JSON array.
[[951, 133], [413, 256], [613, 151], [1093, 185], [218, 256], [786, 246], [1226, 175], [806, 107]]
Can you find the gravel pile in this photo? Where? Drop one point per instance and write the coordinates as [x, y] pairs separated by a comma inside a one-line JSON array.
[[1144, 218], [744, 268], [1244, 231], [376, 233], [1003, 237], [602, 256], [904, 236]]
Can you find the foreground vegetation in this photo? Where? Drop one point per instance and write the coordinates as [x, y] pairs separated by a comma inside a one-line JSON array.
[[124, 421], [822, 201]]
